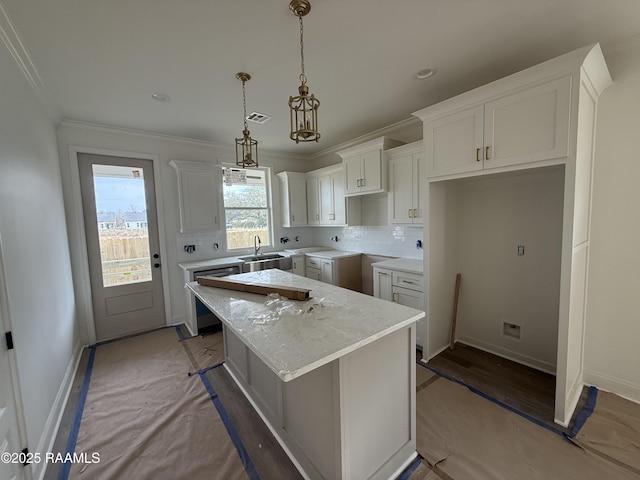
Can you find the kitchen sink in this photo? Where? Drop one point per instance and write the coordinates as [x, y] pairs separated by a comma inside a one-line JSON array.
[[253, 263], [266, 256]]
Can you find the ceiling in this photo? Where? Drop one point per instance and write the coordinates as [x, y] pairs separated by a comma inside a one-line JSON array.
[[99, 60]]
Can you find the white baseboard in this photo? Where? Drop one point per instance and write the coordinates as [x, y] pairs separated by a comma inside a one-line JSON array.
[[52, 424], [510, 355], [620, 387]]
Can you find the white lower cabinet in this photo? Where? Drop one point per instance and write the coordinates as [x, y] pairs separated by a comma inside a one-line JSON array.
[[297, 265], [404, 288]]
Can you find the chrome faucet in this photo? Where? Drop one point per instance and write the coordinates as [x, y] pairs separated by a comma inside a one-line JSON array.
[[256, 245]]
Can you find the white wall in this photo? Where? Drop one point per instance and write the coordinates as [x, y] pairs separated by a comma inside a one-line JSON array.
[[494, 216], [612, 356], [36, 253], [74, 136]]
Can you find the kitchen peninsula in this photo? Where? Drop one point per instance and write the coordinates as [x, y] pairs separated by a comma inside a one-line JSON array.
[[333, 376]]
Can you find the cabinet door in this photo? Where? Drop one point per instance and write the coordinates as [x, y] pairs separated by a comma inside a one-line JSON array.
[[372, 176], [327, 271], [418, 171], [297, 265], [314, 273], [454, 143], [339, 202], [313, 206], [382, 284], [325, 193], [351, 167], [413, 299], [198, 196], [528, 126], [401, 180], [293, 199]]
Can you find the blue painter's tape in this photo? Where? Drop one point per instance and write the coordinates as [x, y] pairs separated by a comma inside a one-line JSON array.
[[244, 456], [65, 468], [179, 332], [410, 469], [587, 410], [496, 401], [206, 369]]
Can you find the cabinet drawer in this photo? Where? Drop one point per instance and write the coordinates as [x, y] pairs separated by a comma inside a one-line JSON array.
[[413, 281], [312, 262]]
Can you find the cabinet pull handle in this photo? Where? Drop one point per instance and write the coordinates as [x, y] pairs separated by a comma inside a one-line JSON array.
[[477, 154], [415, 213], [362, 182], [383, 273], [394, 297], [410, 215], [486, 153], [293, 218]]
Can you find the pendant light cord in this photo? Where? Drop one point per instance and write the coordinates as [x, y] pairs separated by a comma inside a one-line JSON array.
[[244, 106], [303, 78]]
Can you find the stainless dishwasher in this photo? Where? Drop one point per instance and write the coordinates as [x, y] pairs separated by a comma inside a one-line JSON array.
[[204, 318]]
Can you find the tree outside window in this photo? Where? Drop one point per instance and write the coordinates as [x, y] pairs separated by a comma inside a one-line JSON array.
[[247, 211]]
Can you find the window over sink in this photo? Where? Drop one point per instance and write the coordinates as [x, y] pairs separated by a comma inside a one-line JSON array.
[[247, 207]]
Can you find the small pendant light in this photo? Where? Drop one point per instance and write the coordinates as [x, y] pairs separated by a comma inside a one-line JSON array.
[[246, 147]]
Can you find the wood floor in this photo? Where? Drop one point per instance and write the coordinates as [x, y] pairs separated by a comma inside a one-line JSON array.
[[525, 389]]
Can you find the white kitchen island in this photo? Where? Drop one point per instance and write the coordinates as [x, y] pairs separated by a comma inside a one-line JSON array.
[[333, 376]]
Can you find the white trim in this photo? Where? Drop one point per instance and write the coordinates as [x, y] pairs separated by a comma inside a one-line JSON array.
[[20, 55], [82, 284], [622, 388], [5, 325], [51, 426], [509, 354]]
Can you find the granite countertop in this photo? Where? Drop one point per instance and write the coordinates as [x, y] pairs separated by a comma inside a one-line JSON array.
[[411, 265], [331, 254], [295, 337]]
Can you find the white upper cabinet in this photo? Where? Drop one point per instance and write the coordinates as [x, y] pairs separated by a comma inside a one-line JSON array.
[[454, 142], [199, 188], [405, 172], [326, 203], [524, 126], [365, 168], [293, 198], [313, 200]]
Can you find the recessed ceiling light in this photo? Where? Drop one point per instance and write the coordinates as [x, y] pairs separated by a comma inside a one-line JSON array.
[[425, 73], [160, 97]]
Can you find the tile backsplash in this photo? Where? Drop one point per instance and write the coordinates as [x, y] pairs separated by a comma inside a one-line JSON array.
[[392, 241]]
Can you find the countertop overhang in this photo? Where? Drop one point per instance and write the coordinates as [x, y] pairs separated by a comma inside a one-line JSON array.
[[295, 337]]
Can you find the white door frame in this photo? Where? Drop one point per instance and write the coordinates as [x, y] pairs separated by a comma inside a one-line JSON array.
[[83, 285], [5, 326]]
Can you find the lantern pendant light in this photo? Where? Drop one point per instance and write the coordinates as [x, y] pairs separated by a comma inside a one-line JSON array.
[[303, 107], [246, 147]]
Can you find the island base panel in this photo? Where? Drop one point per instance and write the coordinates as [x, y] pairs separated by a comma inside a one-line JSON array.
[[353, 418]]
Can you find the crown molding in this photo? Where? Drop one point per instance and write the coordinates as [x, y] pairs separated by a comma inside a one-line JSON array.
[[20, 55], [75, 126], [389, 131]]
